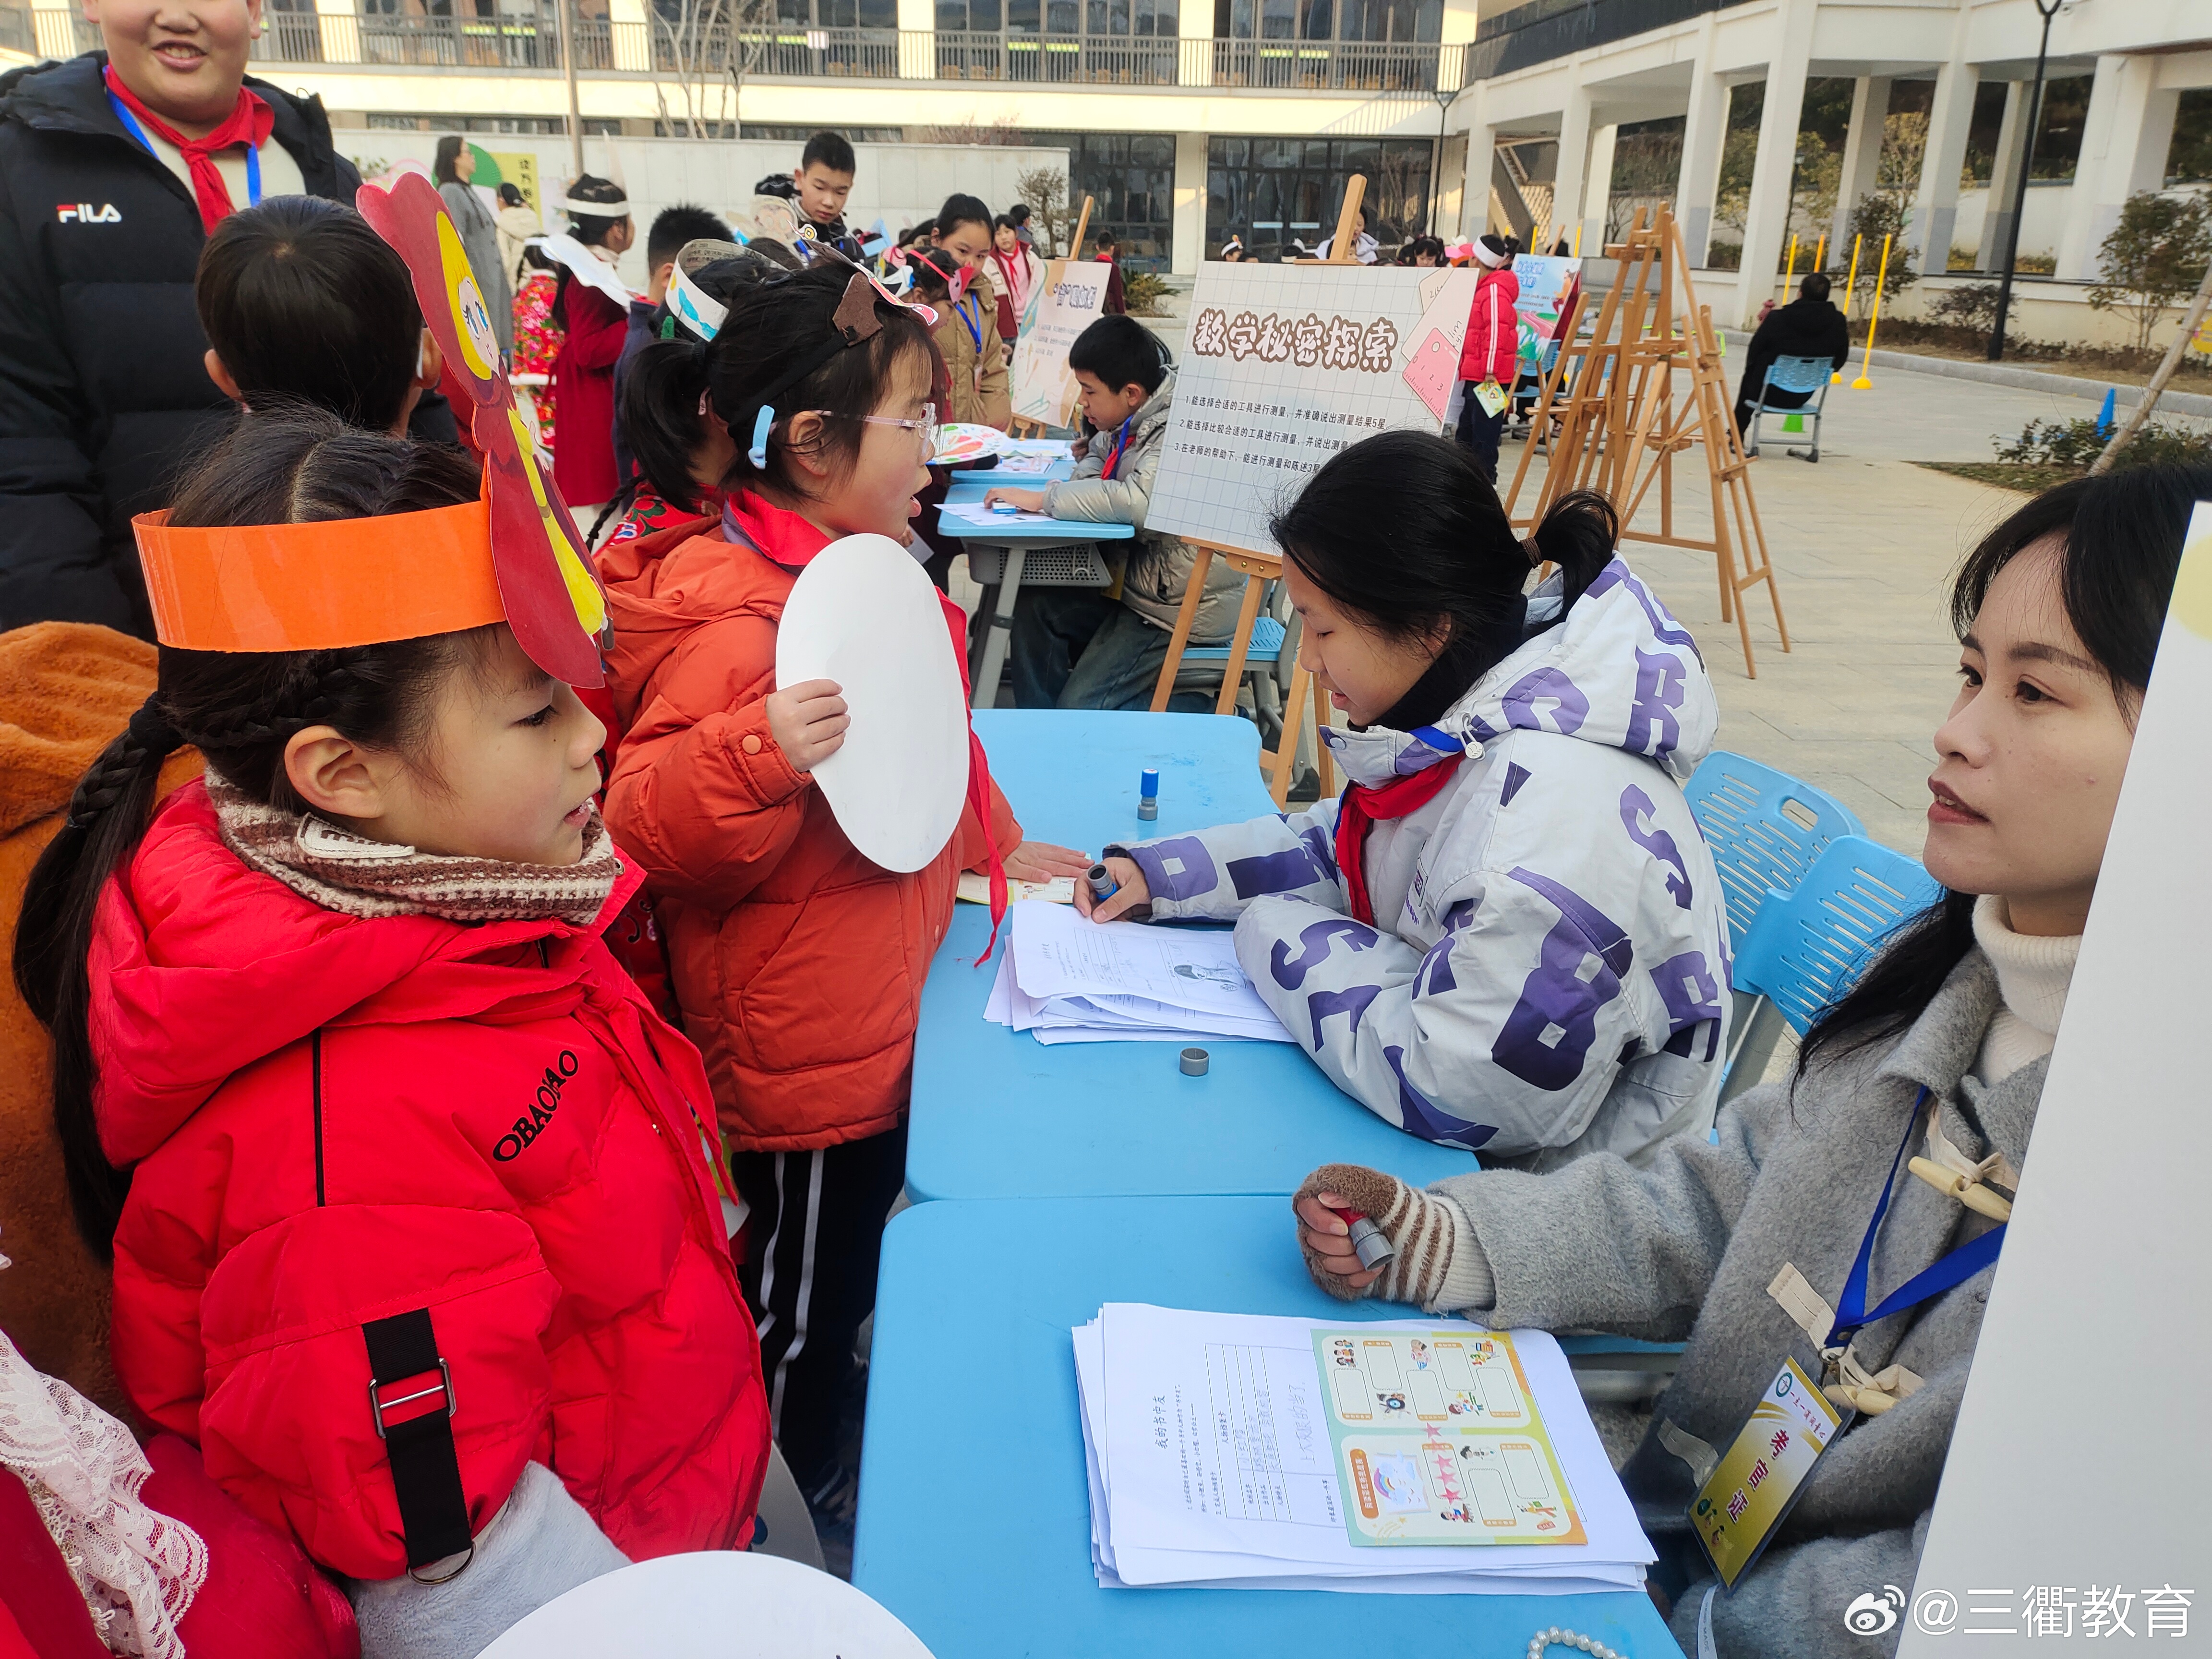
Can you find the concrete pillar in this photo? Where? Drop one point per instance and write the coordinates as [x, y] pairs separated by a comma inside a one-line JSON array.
[[1704, 126], [1862, 155], [917, 44], [1574, 157], [1597, 189], [1936, 204], [2123, 143], [1766, 220], [2004, 176], [1190, 246], [1195, 44]]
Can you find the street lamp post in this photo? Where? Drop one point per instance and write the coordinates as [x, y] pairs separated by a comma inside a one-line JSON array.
[[1437, 168], [2046, 11]]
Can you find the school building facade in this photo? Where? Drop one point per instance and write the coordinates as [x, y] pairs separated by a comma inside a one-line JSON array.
[[1189, 120]]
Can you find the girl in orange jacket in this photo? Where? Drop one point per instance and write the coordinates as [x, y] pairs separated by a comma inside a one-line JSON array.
[[798, 964]]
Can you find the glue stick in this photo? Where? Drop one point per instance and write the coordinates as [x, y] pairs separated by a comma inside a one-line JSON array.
[[1148, 793]]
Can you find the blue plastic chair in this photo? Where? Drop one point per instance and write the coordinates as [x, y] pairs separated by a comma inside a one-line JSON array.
[[1266, 664], [1811, 945], [1766, 830], [1805, 375]]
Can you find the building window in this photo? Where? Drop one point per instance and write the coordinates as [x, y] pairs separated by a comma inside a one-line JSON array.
[[1274, 191], [1407, 20], [838, 13]]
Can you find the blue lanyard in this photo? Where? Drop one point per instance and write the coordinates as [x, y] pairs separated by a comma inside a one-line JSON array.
[[1120, 447], [975, 327], [130, 125], [1960, 1266]]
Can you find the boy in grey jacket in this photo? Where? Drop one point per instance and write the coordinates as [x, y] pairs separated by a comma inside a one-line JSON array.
[[1081, 647]]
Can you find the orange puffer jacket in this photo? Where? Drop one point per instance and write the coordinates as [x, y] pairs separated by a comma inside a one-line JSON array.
[[797, 963]]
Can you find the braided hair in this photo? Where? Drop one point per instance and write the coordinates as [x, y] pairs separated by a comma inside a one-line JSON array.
[[241, 710]]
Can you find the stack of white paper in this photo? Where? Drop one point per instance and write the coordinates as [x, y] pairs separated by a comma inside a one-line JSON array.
[[1249, 1451], [1069, 979]]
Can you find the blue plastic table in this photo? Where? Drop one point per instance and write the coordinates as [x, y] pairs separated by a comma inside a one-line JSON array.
[[996, 1114], [974, 1510], [967, 490]]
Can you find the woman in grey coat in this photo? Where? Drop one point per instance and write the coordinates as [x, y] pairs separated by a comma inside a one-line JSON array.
[[1943, 1044], [455, 165]]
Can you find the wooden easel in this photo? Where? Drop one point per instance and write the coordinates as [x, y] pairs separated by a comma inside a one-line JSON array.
[[1026, 426], [1340, 250], [1619, 425]]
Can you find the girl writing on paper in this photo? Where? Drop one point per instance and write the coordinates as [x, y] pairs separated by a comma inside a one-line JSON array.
[[1744, 1245], [1507, 935], [351, 1089], [799, 964], [593, 322]]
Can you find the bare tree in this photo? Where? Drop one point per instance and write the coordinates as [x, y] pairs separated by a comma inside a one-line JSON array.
[[1045, 190], [693, 39]]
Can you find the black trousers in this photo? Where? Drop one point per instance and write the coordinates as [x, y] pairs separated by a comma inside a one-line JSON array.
[[815, 1234], [1481, 432]]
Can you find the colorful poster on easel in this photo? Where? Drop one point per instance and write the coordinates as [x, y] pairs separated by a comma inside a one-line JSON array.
[[1438, 1439], [1073, 297], [1546, 279], [1285, 364]]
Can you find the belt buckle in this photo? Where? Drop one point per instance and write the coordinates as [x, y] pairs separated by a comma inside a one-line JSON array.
[[377, 1407]]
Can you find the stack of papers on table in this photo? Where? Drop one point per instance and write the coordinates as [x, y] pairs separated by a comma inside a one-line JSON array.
[[1069, 979], [1409, 1457], [974, 515]]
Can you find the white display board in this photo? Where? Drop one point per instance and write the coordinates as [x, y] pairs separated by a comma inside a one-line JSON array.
[[723, 1605], [1062, 308], [2080, 1463], [863, 613], [1284, 366]]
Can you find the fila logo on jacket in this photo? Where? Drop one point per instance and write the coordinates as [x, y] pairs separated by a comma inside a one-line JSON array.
[[83, 213]]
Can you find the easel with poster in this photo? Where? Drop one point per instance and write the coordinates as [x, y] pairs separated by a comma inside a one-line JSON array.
[[1614, 423], [1287, 364], [1042, 385]]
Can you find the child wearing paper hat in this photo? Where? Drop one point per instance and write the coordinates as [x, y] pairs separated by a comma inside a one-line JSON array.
[[413, 1204], [799, 963]]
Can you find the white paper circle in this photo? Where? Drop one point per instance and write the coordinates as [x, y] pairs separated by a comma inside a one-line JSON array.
[[864, 614], [722, 1605]]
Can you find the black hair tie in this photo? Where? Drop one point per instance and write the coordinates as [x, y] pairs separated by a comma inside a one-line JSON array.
[[150, 730]]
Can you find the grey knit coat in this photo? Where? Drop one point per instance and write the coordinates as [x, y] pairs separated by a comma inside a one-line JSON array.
[[1685, 1249]]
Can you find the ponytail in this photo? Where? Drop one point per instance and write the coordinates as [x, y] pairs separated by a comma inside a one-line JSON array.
[[239, 710], [662, 398], [1578, 534], [53, 936]]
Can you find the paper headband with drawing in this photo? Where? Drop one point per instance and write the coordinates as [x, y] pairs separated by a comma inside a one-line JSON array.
[[513, 555], [617, 209]]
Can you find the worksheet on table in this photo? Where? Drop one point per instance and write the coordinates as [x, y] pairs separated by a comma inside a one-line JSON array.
[[976, 515], [1218, 1439], [1059, 953]]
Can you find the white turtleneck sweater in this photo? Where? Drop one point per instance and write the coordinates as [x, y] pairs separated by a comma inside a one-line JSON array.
[[2033, 972]]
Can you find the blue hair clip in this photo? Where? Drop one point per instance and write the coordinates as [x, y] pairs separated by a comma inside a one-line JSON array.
[[758, 453]]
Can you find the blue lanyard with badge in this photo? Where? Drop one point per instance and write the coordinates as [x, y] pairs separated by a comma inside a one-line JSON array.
[[1739, 1505], [130, 125], [1120, 449]]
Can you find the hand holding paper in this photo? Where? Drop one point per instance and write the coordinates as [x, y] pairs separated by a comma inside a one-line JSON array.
[[808, 722], [1030, 500]]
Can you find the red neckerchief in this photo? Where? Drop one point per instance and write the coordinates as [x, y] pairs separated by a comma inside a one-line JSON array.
[[1363, 804], [250, 123], [1120, 449], [792, 540]]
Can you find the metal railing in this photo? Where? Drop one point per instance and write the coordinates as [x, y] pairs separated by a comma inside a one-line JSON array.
[[522, 41]]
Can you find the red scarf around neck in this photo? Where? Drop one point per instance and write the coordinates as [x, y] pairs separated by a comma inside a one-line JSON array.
[[250, 123], [790, 540], [1363, 804]]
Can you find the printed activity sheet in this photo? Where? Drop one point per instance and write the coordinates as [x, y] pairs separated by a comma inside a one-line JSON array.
[[1439, 1440], [1229, 1448]]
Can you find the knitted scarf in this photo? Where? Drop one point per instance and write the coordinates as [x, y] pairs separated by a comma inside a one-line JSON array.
[[356, 877]]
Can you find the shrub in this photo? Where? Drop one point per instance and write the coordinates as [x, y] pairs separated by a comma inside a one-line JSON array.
[[1973, 305], [1144, 290], [2075, 444], [2155, 255]]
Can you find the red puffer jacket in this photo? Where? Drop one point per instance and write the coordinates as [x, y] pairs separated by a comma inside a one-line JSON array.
[[334, 1120], [1493, 329]]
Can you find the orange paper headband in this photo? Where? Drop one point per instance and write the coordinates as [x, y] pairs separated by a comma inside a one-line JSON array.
[[320, 587]]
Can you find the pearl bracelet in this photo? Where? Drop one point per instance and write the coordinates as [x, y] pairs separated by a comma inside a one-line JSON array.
[[1555, 1637]]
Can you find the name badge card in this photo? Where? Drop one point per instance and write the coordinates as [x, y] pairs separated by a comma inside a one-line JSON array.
[[1760, 1476]]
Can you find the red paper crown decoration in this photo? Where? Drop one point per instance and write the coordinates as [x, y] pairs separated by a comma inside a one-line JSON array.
[[552, 594]]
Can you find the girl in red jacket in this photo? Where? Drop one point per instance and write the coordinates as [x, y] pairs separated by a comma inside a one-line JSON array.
[[799, 963], [410, 1195], [593, 325], [1487, 361]]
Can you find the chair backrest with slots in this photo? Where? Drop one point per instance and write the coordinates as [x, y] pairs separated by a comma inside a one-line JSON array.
[[1765, 828], [1798, 375], [1810, 945]]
